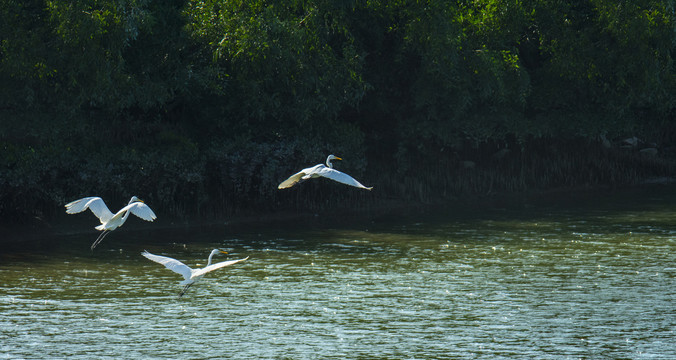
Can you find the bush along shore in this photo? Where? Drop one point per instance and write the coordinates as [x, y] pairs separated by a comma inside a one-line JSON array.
[[191, 187], [202, 108]]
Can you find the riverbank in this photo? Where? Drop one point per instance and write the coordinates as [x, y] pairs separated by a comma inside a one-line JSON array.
[[42, 232]]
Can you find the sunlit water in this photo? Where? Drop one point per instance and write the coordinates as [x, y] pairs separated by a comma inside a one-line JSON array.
[[593, 281]]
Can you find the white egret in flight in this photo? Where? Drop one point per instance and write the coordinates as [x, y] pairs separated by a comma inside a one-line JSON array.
[[110, 221], [191, 276], [321, 170]]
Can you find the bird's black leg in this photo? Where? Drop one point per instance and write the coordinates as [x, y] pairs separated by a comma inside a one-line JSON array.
[[100, 238], [184, 290]]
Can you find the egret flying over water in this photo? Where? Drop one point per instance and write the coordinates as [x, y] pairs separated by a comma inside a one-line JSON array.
[[191, 276], [110, 221], [321, 170]]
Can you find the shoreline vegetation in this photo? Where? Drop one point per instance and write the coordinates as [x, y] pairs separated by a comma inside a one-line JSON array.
[[201, 108], [42, 231]]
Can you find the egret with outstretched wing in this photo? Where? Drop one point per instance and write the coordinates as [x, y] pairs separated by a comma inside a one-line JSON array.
[[321, 170], [110, 221], [190, 275]]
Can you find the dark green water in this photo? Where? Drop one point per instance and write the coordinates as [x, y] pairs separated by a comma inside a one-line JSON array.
[[592, 277]]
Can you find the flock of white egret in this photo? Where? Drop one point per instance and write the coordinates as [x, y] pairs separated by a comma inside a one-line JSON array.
[[136, 206]]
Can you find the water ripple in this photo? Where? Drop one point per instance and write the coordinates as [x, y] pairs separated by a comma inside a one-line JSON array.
[[550, 288]]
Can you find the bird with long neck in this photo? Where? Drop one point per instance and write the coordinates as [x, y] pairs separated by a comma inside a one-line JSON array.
[[190, 275], [321, 170], [110, 221]]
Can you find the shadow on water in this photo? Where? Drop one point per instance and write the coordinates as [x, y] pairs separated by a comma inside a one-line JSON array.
[[633, 209]]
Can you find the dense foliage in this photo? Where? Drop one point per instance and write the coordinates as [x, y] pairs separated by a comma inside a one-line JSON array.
[[206, 105]]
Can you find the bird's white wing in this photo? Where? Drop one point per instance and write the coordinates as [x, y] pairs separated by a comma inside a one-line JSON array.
[[212, 267], [170, 263], [301, 175], [341, 177], [292, 180], [95, 204], [141, 210]]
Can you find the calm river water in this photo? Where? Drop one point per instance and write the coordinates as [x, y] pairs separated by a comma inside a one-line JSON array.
[[560, 279]]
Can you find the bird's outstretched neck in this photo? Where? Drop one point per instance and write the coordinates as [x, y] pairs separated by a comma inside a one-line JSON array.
[[214, 252], [328, 160]]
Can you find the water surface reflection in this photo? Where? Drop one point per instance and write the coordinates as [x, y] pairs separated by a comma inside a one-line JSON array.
[[587, 281]]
